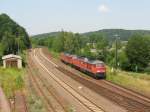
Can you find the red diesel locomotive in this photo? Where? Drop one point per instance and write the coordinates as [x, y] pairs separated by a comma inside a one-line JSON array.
[[95, 68]]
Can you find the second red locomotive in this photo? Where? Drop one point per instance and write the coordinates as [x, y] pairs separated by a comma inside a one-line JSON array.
[[95, 68]]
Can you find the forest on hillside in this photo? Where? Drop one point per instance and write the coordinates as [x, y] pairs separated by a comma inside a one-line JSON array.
[[123, 35], [13, 38], [130, 55]]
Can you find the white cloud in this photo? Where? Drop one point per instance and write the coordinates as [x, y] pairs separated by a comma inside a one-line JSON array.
[[103, 8]]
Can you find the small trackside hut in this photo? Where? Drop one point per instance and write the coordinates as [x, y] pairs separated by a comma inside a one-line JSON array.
[[12, 61]]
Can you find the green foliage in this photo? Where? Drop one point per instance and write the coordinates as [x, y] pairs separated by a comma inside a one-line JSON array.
[[46, 35], [123, 34], [13, 38], [102, 54], [58, 44], [19, 82], [63, 42], [77, 44], [123, 61], [54, 54], [101, 46], [23, 55], [110, 60], [87, 52], [72, 43], [147, 69], [138, 52]]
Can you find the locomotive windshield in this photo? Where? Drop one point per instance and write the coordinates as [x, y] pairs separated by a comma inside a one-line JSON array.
[[99, 64]]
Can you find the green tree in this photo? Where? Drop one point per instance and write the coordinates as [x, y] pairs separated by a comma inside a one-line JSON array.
[[101, 47], [69, 42], [12, 36], [58, 43], [87, 52], [50, 41], [138, 52], [123, 60]]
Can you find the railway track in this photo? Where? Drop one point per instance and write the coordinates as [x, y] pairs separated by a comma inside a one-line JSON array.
[[81, 99], [133, 102], [40, 91], [36, 79], [121, 99]]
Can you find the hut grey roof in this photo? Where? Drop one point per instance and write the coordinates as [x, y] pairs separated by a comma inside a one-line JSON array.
[[11, 56]]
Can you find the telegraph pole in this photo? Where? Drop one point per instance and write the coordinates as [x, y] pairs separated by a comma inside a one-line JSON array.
[[116, 51], [18, 44]]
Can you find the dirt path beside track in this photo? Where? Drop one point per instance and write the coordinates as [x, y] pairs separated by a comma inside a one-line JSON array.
[[4, 105]]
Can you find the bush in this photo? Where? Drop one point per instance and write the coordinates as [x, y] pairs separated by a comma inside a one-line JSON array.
[[24, 61], [147, 69]]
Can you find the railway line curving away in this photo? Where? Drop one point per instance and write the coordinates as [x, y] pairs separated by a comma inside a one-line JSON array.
[[88, 104], [126, 98], [86, 93]]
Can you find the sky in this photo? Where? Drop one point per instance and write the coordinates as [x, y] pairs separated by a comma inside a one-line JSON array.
[[42, 16]]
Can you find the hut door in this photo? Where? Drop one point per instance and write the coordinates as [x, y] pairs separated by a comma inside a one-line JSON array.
[[11, 63], [14, 63]]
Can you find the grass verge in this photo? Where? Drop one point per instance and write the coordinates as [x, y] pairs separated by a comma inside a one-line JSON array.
[[135, 81], [54, 54], [11, 79]]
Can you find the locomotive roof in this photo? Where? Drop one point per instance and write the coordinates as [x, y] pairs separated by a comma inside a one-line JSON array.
[[85, 59], [90, 61], [95, 62], [67, 54]]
